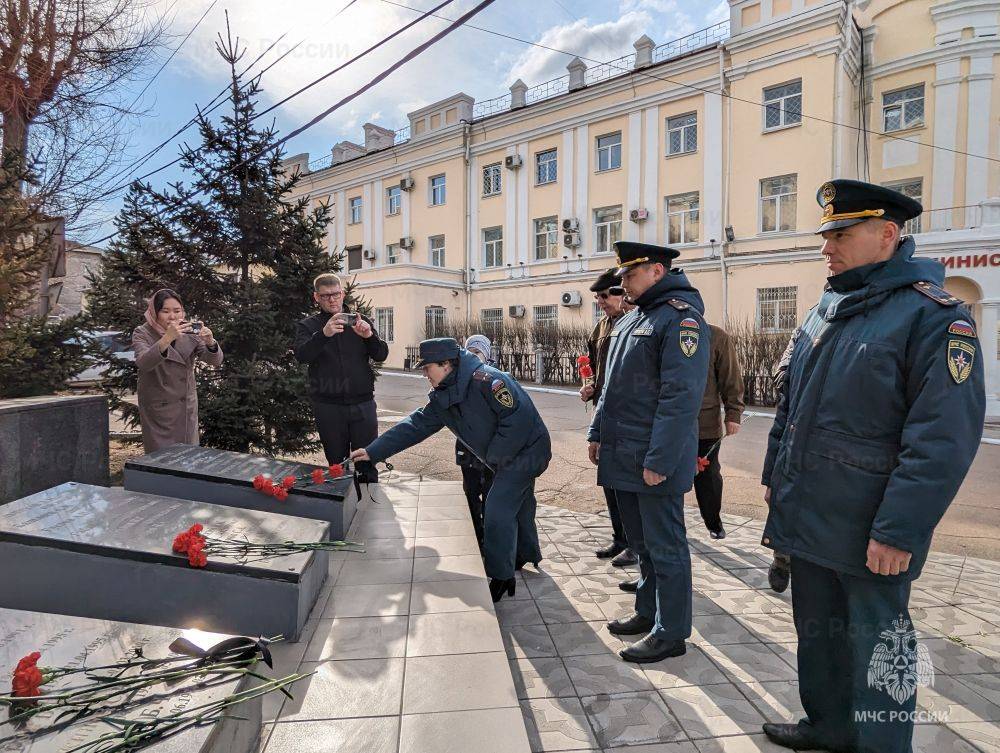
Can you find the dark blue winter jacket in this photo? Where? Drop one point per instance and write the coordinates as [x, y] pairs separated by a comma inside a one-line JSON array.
[[880, 417], [487, 410], [647, 416]]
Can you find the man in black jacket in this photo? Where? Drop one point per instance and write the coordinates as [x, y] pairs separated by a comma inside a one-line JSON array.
[[339, 346]]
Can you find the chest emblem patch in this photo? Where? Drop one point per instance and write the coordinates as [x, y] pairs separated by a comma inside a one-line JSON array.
[[961, 356], [962, 328], [690, 336], [502, 394]]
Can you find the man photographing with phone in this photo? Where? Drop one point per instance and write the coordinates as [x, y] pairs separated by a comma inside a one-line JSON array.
[[339, 346]]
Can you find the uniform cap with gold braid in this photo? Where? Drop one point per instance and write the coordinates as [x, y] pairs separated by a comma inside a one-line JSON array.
[[630, 254], [848, 202]]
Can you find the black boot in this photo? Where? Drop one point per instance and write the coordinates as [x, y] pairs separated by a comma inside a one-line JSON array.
[[519, 564], [651, 649], [796, 737], [635, 624], [778, 575], [609, 551], [499, 586], [719, 533], [626, 559], [629, 586]]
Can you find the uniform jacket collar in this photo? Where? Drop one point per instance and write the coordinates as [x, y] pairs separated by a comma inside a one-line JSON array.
[[455, 386], [673, 285]]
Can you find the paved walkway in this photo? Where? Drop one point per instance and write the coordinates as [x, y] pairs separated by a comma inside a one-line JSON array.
[[410, 656]]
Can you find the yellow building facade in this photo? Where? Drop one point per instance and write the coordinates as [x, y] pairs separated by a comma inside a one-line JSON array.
[[714, 144]]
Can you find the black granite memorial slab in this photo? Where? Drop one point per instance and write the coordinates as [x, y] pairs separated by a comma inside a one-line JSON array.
[[106, 553], [75, 642], [221, 477], [47, 440]]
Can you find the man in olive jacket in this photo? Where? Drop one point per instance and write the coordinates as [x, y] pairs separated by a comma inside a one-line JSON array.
[[880, 416]]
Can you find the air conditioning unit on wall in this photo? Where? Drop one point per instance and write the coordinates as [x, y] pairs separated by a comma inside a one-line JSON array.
[[571, 225], [406, 184], [571, 240], [638, 215], [513, 161], [406, 242], [571, 298], [516, 312], [370, 254]]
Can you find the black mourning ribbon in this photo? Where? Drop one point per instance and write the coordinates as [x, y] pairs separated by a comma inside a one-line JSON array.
[[238, 649]]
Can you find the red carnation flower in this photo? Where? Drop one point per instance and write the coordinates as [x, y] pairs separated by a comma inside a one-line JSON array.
[[703, 463], [280, 493], [258, 482], [336, 470], [181, 542], [586, 372], [583, 361], [28, 677], [267, 486], [196, 529], [288, 482], [317, 476]]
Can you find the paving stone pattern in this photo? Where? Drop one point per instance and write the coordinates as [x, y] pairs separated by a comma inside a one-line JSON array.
[[411, 657]]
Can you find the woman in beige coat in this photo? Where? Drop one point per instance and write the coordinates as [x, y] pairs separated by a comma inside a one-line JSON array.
[[166, 347]]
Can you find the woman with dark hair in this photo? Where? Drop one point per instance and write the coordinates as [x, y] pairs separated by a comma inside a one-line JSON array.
[[166, 347]]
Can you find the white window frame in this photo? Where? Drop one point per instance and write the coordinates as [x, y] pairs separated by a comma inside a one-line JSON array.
[[684, 220], [598, 313], [492, 322], [392, 253], [551, 166], [613, 152], [493, 174], [551, 315], [493, 247], [385, 323], [789, 117], [355, 210], [906, 187], [687, 133], [393, 200], [434, 252], [776, 198], [773, 298], [438, 317], [434, 189], [613, 228], [547, 233], [900, 105]]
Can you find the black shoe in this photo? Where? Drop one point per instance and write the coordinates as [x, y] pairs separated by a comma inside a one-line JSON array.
[[777, 577], [611, 550], [626, 559], [629, 586], [635, 624], [796, 737], [719, 534], [519, 565], [498, 587], [651, 649]]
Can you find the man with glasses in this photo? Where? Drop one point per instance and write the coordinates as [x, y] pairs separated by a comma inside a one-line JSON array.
[[339, 346], [610, 298]]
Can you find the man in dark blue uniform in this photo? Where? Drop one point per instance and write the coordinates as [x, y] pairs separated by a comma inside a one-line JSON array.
[[644, 440], [495, 419], [880, 417]]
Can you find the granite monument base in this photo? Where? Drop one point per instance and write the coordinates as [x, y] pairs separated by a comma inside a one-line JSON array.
[[47, 440], [220, 477], [106, 553], [74, 642]]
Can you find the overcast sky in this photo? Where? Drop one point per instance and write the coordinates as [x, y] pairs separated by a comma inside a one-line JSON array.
[[480, 64]]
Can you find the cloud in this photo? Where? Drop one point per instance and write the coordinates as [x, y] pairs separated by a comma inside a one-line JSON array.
[[719, 13]]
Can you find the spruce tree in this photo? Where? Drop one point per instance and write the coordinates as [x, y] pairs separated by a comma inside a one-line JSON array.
[[242, 255]]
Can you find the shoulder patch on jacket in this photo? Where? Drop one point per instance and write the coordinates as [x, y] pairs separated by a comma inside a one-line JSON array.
[[502, 393], [961, 328], [936, 293], [679, 304], [961, 356], [690, 336]]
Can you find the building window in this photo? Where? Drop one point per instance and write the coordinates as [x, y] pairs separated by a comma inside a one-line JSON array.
[[546, 238], [493, 247], [903, 109], [783, 105], [385, 324], [915, 190], [682, 218], [436, 245], [609, 152], [437, 190], [546, 317], [392, 200], [682, 134], [607, 228], [545, 167], [598, 314], [354, 258], [777, 203], [492, 180], [433, 321], [491, 320], [392, 253], [355, 209], [776, 309]]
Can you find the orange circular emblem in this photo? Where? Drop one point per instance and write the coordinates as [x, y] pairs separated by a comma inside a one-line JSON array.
[[828, 192]]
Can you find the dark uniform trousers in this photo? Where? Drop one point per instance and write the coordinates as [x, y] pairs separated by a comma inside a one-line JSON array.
[[476, 483], [509, 524], [708, 485], [343, 428], [617, 527], [839, 619], [654, 526]]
